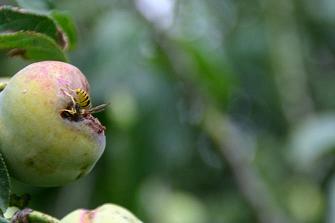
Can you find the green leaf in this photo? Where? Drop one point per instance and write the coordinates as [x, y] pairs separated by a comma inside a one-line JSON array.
[[31, 45], [3, 220], [65, 22], [15, 19], [4, 185], [36, 5]]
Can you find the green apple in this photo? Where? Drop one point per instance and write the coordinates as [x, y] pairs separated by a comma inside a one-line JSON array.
[[42, 147], [107, 213]]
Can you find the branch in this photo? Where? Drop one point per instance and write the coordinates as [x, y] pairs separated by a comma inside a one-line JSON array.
[[227, 137]]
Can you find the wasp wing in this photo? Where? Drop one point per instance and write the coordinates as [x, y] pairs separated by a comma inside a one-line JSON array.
[[98, 108]]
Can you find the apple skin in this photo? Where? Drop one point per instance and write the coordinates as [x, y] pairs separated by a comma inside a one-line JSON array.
[[40, 147], [107, 213]]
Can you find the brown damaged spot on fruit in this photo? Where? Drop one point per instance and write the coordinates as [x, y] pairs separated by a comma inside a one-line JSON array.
[[95, 124], [89, 120], [65, 114], [87, 216], [39, 165]]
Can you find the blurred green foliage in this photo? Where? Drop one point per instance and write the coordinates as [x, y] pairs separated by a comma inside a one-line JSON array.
[[221, 110]]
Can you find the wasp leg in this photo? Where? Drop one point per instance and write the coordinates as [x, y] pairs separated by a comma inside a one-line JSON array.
[[72, 98], [70, 111], [71, 114]]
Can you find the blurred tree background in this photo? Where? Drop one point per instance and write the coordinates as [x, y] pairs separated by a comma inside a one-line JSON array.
[[221, 110]]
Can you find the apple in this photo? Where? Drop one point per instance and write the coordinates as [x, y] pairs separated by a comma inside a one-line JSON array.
[[107, 213], [42, 144]]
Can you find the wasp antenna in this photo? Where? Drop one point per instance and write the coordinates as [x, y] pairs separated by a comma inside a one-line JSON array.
[[69, 88]]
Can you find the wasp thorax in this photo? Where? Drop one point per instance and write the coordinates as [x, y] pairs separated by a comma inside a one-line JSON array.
[[44, 141]]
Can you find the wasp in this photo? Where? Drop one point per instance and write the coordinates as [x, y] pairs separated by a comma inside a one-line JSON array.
[[80, 104]]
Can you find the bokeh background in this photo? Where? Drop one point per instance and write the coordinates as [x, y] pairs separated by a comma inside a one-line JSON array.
[[222, 111]]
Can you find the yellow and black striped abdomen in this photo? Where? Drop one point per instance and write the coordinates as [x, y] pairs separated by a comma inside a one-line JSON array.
[[83, 99]]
